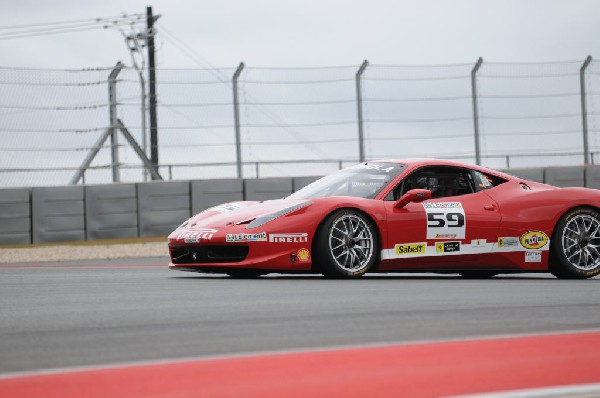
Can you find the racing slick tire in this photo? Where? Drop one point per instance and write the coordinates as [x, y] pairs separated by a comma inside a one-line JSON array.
[[575, 244], [346, 244]]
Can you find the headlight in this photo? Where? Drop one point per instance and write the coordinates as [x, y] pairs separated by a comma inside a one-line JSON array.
[[258, 221]]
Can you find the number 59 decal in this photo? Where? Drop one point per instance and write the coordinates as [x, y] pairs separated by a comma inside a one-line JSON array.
[[445, 220]]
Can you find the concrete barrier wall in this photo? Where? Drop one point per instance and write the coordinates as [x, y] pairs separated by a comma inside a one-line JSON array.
[[57, 214], [76, 213], [111, 211], [300, 182], [267, 188], [162, 206], [15, 216], [533, 174], [592, 177], [565, 176], [209, 193]]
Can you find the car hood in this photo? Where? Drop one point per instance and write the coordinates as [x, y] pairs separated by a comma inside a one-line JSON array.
[[236, 213]]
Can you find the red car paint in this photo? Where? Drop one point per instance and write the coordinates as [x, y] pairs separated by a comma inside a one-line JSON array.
[[495, 221]]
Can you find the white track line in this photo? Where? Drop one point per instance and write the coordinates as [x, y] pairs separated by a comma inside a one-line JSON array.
[[582, 390]]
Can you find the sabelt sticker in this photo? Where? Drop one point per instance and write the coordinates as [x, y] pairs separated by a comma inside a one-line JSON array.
[[533, 257], [257, 237], [445, 220], [510, 241], [447, 247], [303, 255], [410, 249], [534, 240]]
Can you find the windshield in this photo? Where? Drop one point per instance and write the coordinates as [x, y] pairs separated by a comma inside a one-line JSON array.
[[364, 180]]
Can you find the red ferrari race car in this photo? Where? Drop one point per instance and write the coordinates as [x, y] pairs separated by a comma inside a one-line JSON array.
[[400, 216]]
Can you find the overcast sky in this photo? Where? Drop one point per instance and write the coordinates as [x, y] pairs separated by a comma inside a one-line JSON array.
[[279, 33], [312, 33]]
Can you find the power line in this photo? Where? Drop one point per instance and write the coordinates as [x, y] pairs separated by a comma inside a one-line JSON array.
[[68, 22], [327, 81], [69, 27], [266, 111]]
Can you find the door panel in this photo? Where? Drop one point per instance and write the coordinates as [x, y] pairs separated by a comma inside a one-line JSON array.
[[441, 232]]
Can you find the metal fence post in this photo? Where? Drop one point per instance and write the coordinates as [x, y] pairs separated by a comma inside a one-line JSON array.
[[476, 109], [236, 116], [114, 129], [361, 139], [586, 149]]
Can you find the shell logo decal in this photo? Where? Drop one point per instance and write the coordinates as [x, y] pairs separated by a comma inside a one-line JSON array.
[[534, 240], [303, 255]]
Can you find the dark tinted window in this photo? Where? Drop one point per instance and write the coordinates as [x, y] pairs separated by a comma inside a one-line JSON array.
[[441, 181], [486, 181]]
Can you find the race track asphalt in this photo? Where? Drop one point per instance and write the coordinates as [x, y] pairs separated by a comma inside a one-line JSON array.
[[91, 313]]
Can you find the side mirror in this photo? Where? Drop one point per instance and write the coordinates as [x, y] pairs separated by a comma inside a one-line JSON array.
[[414, 195]]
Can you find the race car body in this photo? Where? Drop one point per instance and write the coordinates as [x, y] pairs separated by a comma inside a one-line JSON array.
[[418, 215]]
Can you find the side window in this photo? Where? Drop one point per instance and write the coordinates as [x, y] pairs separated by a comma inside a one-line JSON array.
[[441, 181], [486, 181]]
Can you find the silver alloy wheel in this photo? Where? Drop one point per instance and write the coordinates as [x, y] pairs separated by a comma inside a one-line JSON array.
[[581, 242], [351, 242]]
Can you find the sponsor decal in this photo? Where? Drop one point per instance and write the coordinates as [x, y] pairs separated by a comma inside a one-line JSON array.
[[303, 255], [443, 205], [410, 249], [534, 240], [296, 237], [372, 166], [478, 244], [195, 235], [445, 236], [447, 247], [445, 220], [242, 237], [227, 207], [508, 241], [533, 256]]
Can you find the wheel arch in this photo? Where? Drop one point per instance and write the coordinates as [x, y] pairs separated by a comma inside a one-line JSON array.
[[316, 267]]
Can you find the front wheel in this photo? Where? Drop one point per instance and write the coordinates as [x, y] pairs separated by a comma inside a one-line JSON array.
[[346, 244], [575, 251]]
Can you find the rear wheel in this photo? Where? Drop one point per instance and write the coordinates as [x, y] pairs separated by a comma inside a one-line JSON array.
[[575, 250], [346, 244]]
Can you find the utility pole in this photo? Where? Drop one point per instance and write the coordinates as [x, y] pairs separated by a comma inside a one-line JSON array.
[[152, 84]]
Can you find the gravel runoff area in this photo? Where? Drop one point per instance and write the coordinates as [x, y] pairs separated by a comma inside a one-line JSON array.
[[74, 252]]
